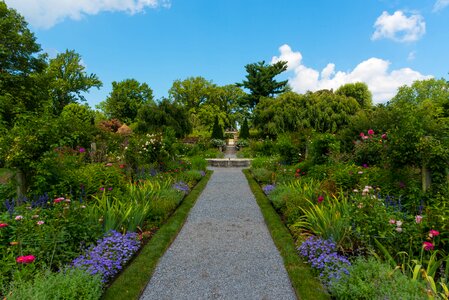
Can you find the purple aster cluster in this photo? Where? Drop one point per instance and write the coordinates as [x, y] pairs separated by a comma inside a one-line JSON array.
[[267, 189], [323, 256], [110, 254], [181, 186]]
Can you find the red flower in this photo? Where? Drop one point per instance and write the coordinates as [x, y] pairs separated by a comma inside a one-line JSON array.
[[427, 246], [370, 132], [320, 199], [122, 166], [27, 259], [384, 136], [3, 225], [362, 134], [433, 233]]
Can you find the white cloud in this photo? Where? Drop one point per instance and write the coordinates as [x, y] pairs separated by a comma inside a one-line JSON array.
[[47, 13], [440, 4], [375, 72], [411, 55], [398, 27]]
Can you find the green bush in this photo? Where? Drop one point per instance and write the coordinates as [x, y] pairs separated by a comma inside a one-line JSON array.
[[198, 163], [288, 152], [264, 147], [371, 279], [322, 147], [68, 284], [264, 162], [191, 177], [262, 175]]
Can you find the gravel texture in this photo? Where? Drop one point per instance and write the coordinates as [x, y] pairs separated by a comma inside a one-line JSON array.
[[224, 250]]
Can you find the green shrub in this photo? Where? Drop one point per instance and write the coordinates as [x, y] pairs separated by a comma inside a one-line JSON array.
[[264, 147], [68, 284], [322, 147], [191, 177], [371, 279], [262, 175], [198, 163], [345, 176], [289, 152], [264, 162]]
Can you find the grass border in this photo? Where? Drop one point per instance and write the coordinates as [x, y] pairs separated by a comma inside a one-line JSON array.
[[304, 283], [133, 280]]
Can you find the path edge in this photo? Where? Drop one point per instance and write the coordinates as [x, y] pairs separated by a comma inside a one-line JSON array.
[[133, 280], [304, 283]]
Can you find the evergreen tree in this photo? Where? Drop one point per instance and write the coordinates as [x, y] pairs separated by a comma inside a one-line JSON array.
[[217, 131], [244, 131]]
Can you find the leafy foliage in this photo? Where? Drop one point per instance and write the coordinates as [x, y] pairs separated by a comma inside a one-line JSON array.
[[125, 100], [261, 83]]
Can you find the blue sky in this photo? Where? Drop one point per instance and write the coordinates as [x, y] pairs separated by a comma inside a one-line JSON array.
[[326, 42]]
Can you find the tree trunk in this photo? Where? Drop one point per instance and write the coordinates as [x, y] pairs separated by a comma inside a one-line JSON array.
[[425, 178], [21, 185]]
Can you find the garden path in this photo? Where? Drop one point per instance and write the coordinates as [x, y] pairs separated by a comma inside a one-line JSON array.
[[224, 250]]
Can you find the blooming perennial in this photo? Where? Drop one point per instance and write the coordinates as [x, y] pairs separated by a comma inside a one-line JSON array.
[[267, 189], [27, 259], [110, 254], [323, 256]]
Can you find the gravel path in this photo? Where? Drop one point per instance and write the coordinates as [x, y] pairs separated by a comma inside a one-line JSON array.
[[224, 250]]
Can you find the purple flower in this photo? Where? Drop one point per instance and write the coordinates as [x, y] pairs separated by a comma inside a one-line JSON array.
[[267, 189], [110, 254], [181, 186], [323, 256], [82, 150]]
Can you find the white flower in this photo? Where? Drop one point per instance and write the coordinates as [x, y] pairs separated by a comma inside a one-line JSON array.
[[399, 223]]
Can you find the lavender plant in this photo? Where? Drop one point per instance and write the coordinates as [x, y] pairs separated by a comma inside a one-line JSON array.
[[110, 254]]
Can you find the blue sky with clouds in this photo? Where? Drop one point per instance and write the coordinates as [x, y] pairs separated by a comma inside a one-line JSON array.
[[385, 43]]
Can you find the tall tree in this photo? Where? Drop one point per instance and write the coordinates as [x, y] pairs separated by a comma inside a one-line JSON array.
[[20, 65], [125, 100], [359, 91], [68, 79], [261, 83], [155, 118], [217, 130], [191, 92], [244, 131]]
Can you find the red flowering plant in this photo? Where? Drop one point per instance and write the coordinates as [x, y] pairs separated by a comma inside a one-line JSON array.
[[369, 148]]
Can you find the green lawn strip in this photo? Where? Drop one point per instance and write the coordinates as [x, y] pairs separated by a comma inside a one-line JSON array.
[[304, 282], [133, 280]]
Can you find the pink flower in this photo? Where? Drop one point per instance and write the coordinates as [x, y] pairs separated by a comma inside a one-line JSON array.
[[418, 219], [399, 229], [384, 136], [3, 225], [428, 246], [362, 134], [18, 218], [57, 200], [370, 132], [25, 259], [365, 137], [82, 150], [108, 165], [320, 199], [433, 233], [392, 221], [40, 223], [101, 189]]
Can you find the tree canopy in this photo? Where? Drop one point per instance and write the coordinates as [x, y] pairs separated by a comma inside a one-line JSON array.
[[68, 79], [125, 100], [261, 83]]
